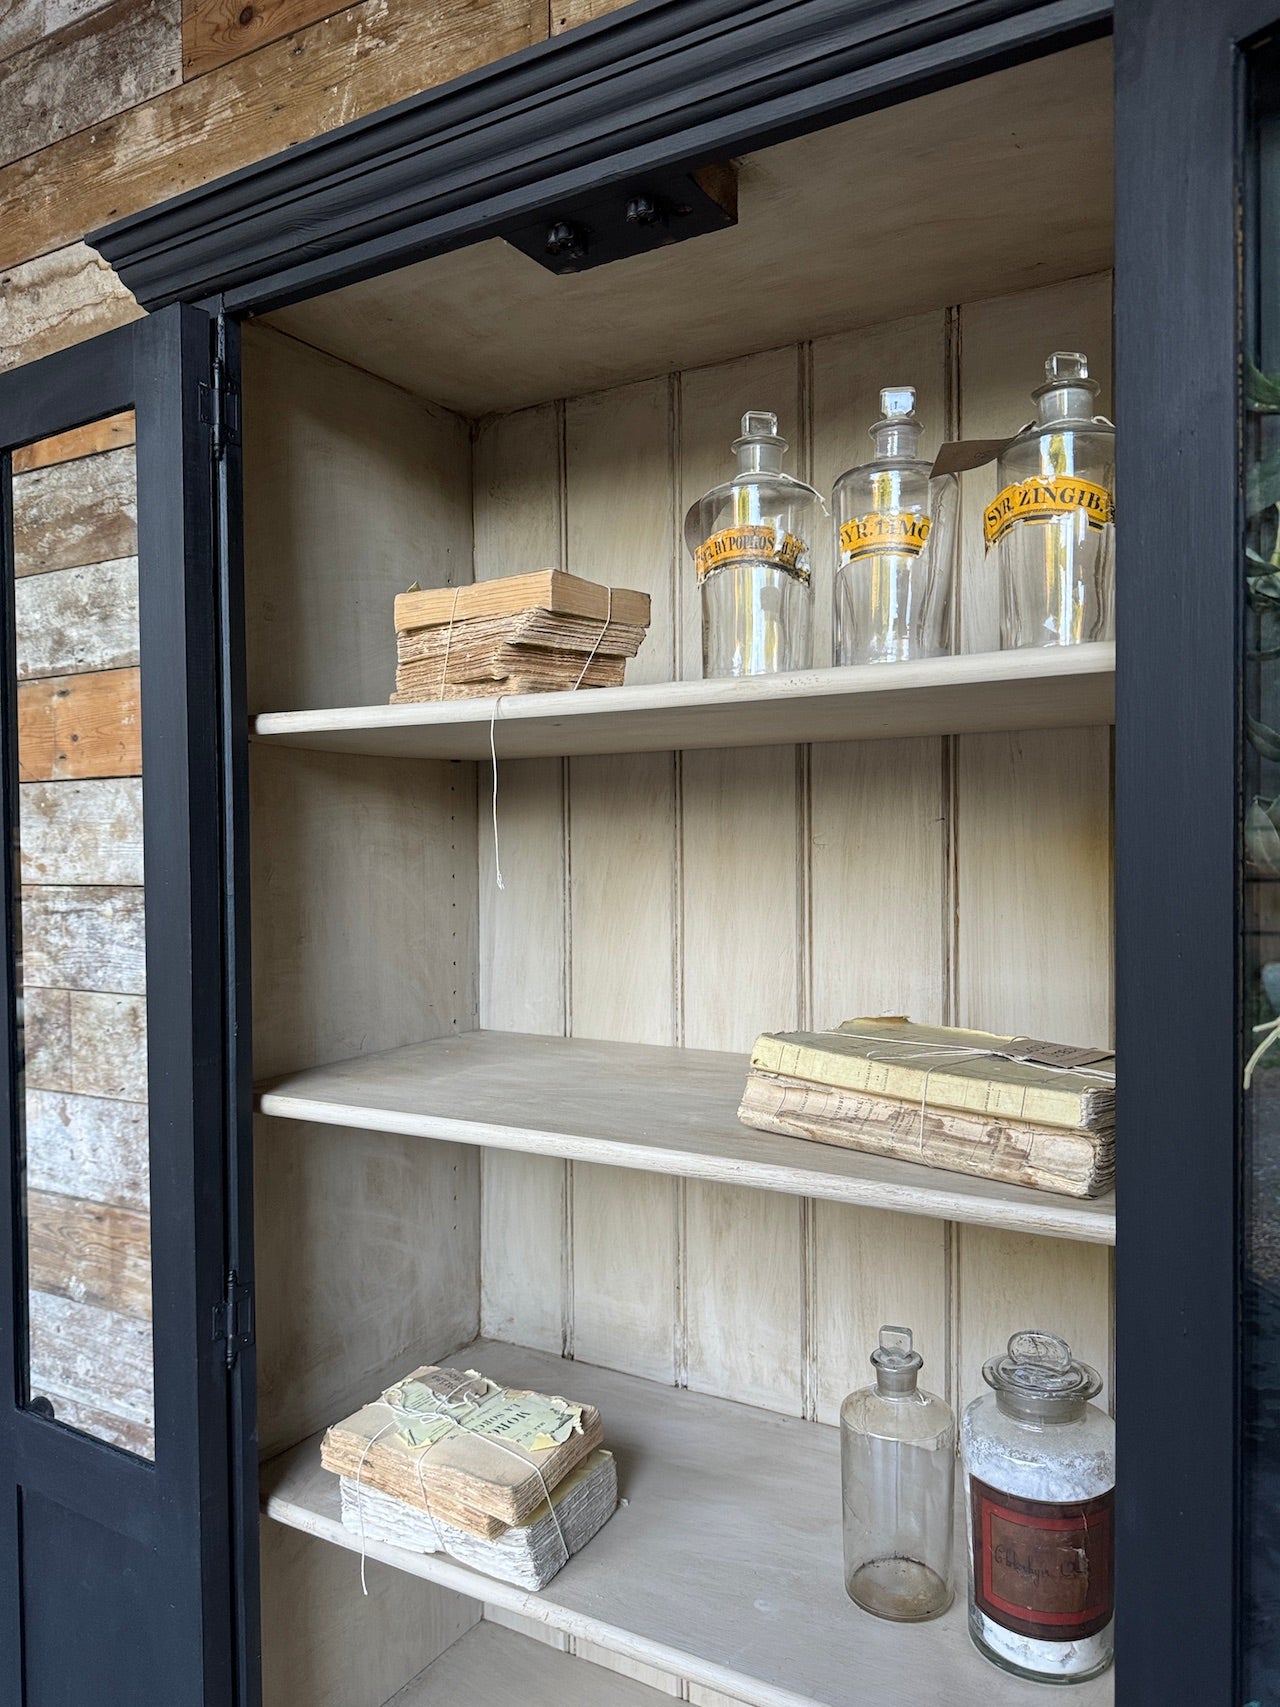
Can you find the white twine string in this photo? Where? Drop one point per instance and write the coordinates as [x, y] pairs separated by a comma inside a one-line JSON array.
[[949, 1055], [493, 723], [448, 640], [608, 618], [456, 1428]]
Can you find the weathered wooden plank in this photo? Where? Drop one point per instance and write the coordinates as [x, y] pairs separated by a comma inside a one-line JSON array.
[[71, 513], [359, 60], [82, 832], [73, 620], [127, 53], [57, 299], [108, 434], [23, 22], [84, 938], [624, 1269], [93, 1253], [567, 14], [82, 1041], [80, 726], [128, 1432], [95, 1357], [214, 32], [96, 1146]]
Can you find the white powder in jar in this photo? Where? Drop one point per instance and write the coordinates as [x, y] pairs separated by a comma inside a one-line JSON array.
[[1064, 1463]]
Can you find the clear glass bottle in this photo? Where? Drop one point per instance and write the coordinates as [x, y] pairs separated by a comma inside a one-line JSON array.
[[897, 1464], [1050, 531], [750, 540], [895, 547], [1040, 1467]]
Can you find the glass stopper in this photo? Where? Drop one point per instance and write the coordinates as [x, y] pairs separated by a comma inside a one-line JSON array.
[[1066, 367], [895, 1348], [758, 424], [1033, 1350], [897, 402]]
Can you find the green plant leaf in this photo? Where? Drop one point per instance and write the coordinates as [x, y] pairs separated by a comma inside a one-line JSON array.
[[1261, 390], [1262, 488], [1264, 739]]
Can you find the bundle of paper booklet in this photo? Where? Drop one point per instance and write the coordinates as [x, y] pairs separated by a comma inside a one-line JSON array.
[[1004, 1108], [508, 1481], [521, 634]]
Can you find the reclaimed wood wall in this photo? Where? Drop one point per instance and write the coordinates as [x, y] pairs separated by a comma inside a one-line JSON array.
[[106, 109], [83, 968]]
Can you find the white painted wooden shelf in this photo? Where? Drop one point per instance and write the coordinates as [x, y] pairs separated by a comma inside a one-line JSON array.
[[632, 1105], [723, 1566], [1043, 688], [493, 1665]]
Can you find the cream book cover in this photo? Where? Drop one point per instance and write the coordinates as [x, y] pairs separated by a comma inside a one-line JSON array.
[[976, 1072]]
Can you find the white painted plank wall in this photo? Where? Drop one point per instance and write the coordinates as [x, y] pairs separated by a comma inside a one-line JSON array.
[[702, 897]]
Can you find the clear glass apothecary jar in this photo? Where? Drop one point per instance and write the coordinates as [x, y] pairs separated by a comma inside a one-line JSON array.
[[1040, 1471], [750, 539], [895, 547], [1050, 531], [897, 1469]]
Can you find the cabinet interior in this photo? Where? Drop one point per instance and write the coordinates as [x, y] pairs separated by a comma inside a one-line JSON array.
[[474, 416]]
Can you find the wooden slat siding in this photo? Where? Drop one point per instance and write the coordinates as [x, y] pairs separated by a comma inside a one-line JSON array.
[[107, 434], [74, 620], [214, 32], [128, 53], [86, 1042], [97, 1357], [84, 938], [92, 1253], [133, 1436], [75, 513], [58, 299], [80, 726], [95, 1147], [23, 22], [82, 832], [367, 57], [566, 14]]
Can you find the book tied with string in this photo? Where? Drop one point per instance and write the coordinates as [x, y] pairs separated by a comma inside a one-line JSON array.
[[509, 1481], [537, 633], [1012, 1109]]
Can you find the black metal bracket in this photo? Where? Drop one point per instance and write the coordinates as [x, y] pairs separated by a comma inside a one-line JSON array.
[[631, 219]]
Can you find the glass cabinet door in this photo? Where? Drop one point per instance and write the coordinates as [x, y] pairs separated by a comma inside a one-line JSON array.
[[1261, 887]]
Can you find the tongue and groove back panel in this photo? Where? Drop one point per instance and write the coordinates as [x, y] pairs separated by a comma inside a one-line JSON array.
[[700, 898]]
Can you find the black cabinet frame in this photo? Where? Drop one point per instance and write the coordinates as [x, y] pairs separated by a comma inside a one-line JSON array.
[[676, 82]]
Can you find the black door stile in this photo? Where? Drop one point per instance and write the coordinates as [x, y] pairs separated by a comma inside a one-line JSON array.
[[151, 1562]]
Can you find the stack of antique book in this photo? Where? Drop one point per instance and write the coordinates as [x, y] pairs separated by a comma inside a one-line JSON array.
[[1003, 1108], [521, 634], [510, 1482]]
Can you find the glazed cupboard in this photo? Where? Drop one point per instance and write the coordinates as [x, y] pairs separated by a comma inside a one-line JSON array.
[[439, 1060]]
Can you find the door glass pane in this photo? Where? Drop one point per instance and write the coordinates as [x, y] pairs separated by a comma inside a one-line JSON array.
[[80, 932]]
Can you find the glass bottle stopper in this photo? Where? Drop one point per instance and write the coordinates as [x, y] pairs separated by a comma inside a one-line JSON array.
[[760, 448], [896, 1362], [898, 402], [1066, 367]]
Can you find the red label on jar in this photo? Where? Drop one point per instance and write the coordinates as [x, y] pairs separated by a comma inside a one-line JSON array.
[[1043, 1568]]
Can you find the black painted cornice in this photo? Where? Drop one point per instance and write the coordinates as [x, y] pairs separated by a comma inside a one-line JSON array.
[[659, 83]]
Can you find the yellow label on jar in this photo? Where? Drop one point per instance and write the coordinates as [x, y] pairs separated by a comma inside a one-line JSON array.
[[756, 542], [896, 533], [1039, 500]]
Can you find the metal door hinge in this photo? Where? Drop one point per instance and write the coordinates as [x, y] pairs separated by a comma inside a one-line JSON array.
[[220, 410], [233, 1318]]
